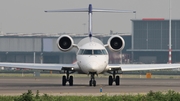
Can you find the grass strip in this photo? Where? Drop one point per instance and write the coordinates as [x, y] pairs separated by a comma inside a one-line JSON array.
[[150, 96]]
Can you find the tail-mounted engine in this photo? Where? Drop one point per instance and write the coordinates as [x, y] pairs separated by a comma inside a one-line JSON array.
[[116, 43], [65, 42]]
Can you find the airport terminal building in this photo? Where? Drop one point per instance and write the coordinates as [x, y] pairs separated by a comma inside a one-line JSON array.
[[42, 48], [148, 43]]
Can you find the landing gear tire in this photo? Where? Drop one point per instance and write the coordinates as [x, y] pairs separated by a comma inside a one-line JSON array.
[[114, 78], [110, 80], [92, 83], [64, 80], [67, 78], [71, 81], [117, 80]]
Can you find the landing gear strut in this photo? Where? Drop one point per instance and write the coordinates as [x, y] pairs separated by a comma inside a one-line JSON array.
[[67, 78], [114, 78], [92, 81]]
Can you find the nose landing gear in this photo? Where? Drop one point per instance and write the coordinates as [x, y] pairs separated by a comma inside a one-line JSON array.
[[92, 81]]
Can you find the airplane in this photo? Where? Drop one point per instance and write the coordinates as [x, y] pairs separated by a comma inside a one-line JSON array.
[[92, 55]]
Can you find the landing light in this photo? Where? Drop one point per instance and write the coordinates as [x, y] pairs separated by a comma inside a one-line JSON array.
[[109, 68], [72, 68]]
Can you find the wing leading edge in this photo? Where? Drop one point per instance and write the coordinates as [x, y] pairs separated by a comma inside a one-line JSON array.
[[140, 67], [40, 66]]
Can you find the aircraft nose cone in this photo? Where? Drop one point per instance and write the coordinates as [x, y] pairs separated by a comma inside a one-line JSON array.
[[92, 66]]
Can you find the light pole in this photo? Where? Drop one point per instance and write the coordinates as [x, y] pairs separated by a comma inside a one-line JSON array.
[[170, 49]]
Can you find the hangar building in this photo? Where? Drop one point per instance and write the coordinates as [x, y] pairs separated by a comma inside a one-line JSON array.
[[150, 40]]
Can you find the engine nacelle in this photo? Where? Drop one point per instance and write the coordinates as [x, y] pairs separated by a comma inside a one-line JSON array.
[[65, 42], [116, 43]]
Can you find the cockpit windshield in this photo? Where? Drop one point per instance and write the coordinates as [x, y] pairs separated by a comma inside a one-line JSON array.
[[97, 52], [87, 52], [92, 52]]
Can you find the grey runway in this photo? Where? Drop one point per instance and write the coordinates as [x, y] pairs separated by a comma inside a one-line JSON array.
[[52, 86]]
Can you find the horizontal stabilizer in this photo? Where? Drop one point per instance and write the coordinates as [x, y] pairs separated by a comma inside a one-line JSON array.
[[70, 10], [93, 10], [112, 10]]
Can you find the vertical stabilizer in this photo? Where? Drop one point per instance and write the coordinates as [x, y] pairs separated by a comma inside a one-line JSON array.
[[90, 20], [90, 9]]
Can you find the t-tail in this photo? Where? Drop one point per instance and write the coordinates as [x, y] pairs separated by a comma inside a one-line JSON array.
[[90, 10]]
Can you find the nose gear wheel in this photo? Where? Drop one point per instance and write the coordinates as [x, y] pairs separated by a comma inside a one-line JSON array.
[[92, 81]]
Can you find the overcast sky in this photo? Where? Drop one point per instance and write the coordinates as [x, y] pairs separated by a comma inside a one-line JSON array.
[[28, 16]]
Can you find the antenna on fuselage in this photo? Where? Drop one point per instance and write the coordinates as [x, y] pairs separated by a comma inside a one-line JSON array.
[[90, 10]]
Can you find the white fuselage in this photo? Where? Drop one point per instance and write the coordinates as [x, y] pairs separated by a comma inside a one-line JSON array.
[[92, 57]]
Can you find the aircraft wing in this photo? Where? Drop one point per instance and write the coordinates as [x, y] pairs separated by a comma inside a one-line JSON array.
[[41, 66], [140, 67]]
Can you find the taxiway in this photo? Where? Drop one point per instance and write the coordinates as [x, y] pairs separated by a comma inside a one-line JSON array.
[[52, 86]]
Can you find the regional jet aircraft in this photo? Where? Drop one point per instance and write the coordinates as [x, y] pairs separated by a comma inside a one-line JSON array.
[[92, 56]]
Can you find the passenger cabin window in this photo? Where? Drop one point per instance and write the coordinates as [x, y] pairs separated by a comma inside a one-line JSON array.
[[92, 52]]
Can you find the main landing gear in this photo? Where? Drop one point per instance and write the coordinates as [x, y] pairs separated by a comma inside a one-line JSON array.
[[92, 81], [114, 78], [67, 78]]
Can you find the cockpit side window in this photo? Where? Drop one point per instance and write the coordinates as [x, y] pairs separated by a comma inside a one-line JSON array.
[[104, 52], [81, 51]]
